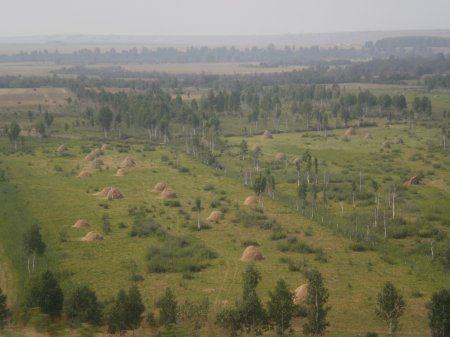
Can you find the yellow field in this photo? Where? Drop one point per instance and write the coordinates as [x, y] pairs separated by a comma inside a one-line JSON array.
[[46, 97]]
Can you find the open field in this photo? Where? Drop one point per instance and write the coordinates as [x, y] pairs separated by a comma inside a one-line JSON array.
[[31, 98]]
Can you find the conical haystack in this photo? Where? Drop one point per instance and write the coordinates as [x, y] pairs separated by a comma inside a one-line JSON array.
[[97, 153], [92, 236], [251, 200], [256, 148], [159, 187], [97, 163], [168, 194], [251, 253], [301, 294], [62, 148], [105, 147], [84, 174], [267, 134], [121, 173], [80, 224], [128, 162], [110, 193], [89, 157], [398, 140], [368, 136], [280, 156], [350, 131], [386, 145], [215, 216]]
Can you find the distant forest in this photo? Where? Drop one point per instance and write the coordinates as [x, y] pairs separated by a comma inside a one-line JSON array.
[[269, 56]]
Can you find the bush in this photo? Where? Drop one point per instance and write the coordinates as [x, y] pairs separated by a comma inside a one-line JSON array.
[[172, 203]]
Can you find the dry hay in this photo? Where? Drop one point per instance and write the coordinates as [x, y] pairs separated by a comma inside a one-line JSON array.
[[89, 157], [97, 153], [121, 173], [92, 236], [386, 145], [301, 294], [368, 136], [168, 194], [80, 224], [256, 148], [251, 253], [128, 162], [251, 200], [215, 216], [62, 148], [105, 147], [110, 193], [97, 163], [280, 156], [159, 187], [267, 134], [84, 174], [398, 140], [350, 132], [413, 181]]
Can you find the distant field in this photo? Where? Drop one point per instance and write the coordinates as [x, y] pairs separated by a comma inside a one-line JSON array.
[[19, 97], [27, 69]]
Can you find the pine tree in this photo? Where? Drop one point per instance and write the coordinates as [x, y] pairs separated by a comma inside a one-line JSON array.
[[82, 306], [281, 307], [46, 294], [4, 311], [167, 306], [439, 314]]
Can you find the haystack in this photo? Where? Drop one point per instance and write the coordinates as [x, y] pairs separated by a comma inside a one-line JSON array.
[[159, 187], [62, 148], [80, 224], [128, 162], [398, 140], [92, 236], [121, 173], [251, 200], [386, 145], [168, 194], [110, 193], [280, 156], [105, 147], [368, 136], [114, 193], [301, 294], [251, 253], [413, 181], [97, 163], [90, 157], [97, 153], [350, 132], [267, 134], [256, 148], [84, 174], [215, 216]]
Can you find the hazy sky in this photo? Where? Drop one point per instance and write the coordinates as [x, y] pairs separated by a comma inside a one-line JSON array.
[[217, 17]]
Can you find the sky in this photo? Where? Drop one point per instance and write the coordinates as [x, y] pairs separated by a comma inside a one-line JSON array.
[[217, 17]]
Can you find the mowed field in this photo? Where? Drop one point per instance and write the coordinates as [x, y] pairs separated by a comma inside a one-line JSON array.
[[45, 186], [21, 98]]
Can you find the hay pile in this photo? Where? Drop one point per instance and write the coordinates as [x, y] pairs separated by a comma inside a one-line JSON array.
[[301, 294], [368, 136], [413, 181], [121, 173], [159, 187], [386, 145], [280, 156], [128, 162], [92, 236], [110, 193], [93, 154], [89, 157], [62, 148], [83, 174], [267, 134], [251, 253], [97, 163], [350, 132], [105, 147], [256, 148], [398, 140], [251, 200], [168, 194], [215, 216], [80, 224]]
